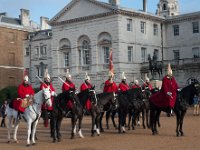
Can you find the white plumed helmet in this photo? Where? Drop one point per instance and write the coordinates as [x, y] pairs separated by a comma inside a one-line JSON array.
[[123, 76], [136, 81], [26, 78], [169, 70], [46, 74], [68, 75], [87, 77]]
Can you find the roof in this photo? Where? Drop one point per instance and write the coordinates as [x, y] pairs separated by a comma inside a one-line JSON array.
[[9, 20]]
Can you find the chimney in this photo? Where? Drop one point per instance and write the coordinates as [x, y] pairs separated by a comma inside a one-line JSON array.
[[114, 2], [44, 23], [24, 17], [144, 5]]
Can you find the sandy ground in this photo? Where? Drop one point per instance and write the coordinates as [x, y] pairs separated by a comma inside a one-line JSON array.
[[139, 139]]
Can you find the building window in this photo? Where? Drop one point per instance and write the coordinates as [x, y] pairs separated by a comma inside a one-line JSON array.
[[106, 52], [37, 51], [196, 52], [195, 26], [40, 69], [129, 24], [143, 54], [85, 53], [130, 54], [176, 54], [27, 52], [176, 30], [66, 59], [43, 49], [143, 27], [155, 29]]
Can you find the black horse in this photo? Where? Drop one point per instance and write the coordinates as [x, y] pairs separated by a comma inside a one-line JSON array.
[[140, 105], [106, 102], [94, 111], [128, 101], [184, 98], [59, 111]]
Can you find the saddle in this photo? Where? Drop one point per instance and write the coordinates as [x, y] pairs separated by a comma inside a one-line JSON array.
[[21, 104]]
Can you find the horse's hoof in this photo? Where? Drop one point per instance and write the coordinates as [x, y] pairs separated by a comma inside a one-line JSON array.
[[54, 141], [102, 130], [124, 132], [28, 145], [17, 141], [59, 140], [99, 134], [72, 137], [9, 142], [34, 143]]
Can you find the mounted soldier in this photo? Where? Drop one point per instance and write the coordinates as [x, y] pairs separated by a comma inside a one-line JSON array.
[[25, 93], [147, 83], [110, 85], [123, 86], [47, 84], [136, 85], [68, 85], [168, 92], [84, 86]]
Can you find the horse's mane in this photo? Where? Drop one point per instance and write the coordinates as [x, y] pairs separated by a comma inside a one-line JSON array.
[[188, 92], [38, 95]]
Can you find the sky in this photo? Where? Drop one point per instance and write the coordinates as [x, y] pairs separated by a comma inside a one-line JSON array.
[[49, 8]]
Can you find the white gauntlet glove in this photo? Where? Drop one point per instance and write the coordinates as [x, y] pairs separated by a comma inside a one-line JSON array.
[[169, 93], [53, 93], [27, 95]]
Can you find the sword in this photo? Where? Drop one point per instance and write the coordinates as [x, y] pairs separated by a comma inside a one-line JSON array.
[[63, 81], [43, 82]]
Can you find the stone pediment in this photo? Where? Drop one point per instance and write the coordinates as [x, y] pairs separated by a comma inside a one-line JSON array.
[[81, 8]]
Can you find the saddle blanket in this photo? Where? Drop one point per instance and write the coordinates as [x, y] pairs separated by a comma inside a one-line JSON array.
[[161, 100], [20, 104]]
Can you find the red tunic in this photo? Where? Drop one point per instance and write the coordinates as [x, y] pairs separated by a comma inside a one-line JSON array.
[[110, 87], [25, 90], [161, 99], [123, 87], [135, 86], [42, 86], [149, 86], [83, 87], [66, 87]]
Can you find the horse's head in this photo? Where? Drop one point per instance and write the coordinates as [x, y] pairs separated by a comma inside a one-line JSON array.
[[146, 93], [92, 95], [47, 97]]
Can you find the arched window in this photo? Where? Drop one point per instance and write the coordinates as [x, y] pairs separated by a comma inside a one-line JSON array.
[[65, 49], [84, 51], [104, 42]]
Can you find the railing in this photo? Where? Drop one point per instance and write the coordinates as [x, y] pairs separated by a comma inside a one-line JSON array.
[[178, 62]]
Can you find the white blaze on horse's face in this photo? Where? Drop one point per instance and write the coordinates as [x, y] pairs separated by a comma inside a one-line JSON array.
[[47, 97], [95, 96]]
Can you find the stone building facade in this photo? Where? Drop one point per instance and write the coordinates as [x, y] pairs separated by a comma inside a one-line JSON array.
[[84, 31]]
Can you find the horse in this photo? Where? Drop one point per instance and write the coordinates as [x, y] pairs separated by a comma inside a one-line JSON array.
[[127, 101], [140, 105], [107, 102], [31, 115], [59, 111], [184, 98], [94, 111]]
